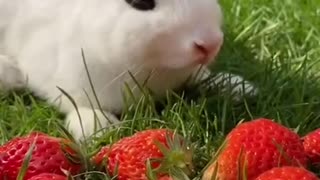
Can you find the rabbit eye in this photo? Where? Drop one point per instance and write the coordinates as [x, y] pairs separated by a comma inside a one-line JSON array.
[[143, 5]]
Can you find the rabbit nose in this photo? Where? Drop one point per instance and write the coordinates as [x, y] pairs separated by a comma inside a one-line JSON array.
[[207, 49]]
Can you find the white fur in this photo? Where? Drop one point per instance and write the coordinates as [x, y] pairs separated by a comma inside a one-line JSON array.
[[41, 41]]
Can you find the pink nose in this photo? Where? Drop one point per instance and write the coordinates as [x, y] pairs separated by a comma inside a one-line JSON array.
[[205, 50]]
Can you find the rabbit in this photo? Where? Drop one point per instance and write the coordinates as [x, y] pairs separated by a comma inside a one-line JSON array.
[[46, 45]]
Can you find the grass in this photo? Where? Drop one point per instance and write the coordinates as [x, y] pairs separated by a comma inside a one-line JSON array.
[[274, 44]]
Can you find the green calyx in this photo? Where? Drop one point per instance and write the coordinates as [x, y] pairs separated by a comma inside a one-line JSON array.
[[176, 161]]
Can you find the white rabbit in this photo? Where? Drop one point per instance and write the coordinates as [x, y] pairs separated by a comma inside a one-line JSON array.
[[41, 42]]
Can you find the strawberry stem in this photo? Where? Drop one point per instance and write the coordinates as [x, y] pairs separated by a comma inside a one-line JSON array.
[[177, 157]]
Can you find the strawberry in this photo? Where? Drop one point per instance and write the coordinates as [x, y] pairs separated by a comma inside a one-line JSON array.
[[48, 155], [128, 157], [311, 143], [48, 176], [257, 146], [287, 173]]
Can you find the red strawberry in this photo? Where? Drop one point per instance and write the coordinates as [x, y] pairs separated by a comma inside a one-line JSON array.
[[311, 143], [287, 173], [255, 147], [48, 156], [130, 154], [48, 176]]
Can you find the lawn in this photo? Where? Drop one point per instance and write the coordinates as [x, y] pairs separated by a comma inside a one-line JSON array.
[[274, 44]]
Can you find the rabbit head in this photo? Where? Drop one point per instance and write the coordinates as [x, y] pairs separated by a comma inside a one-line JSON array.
[[173, 34]]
